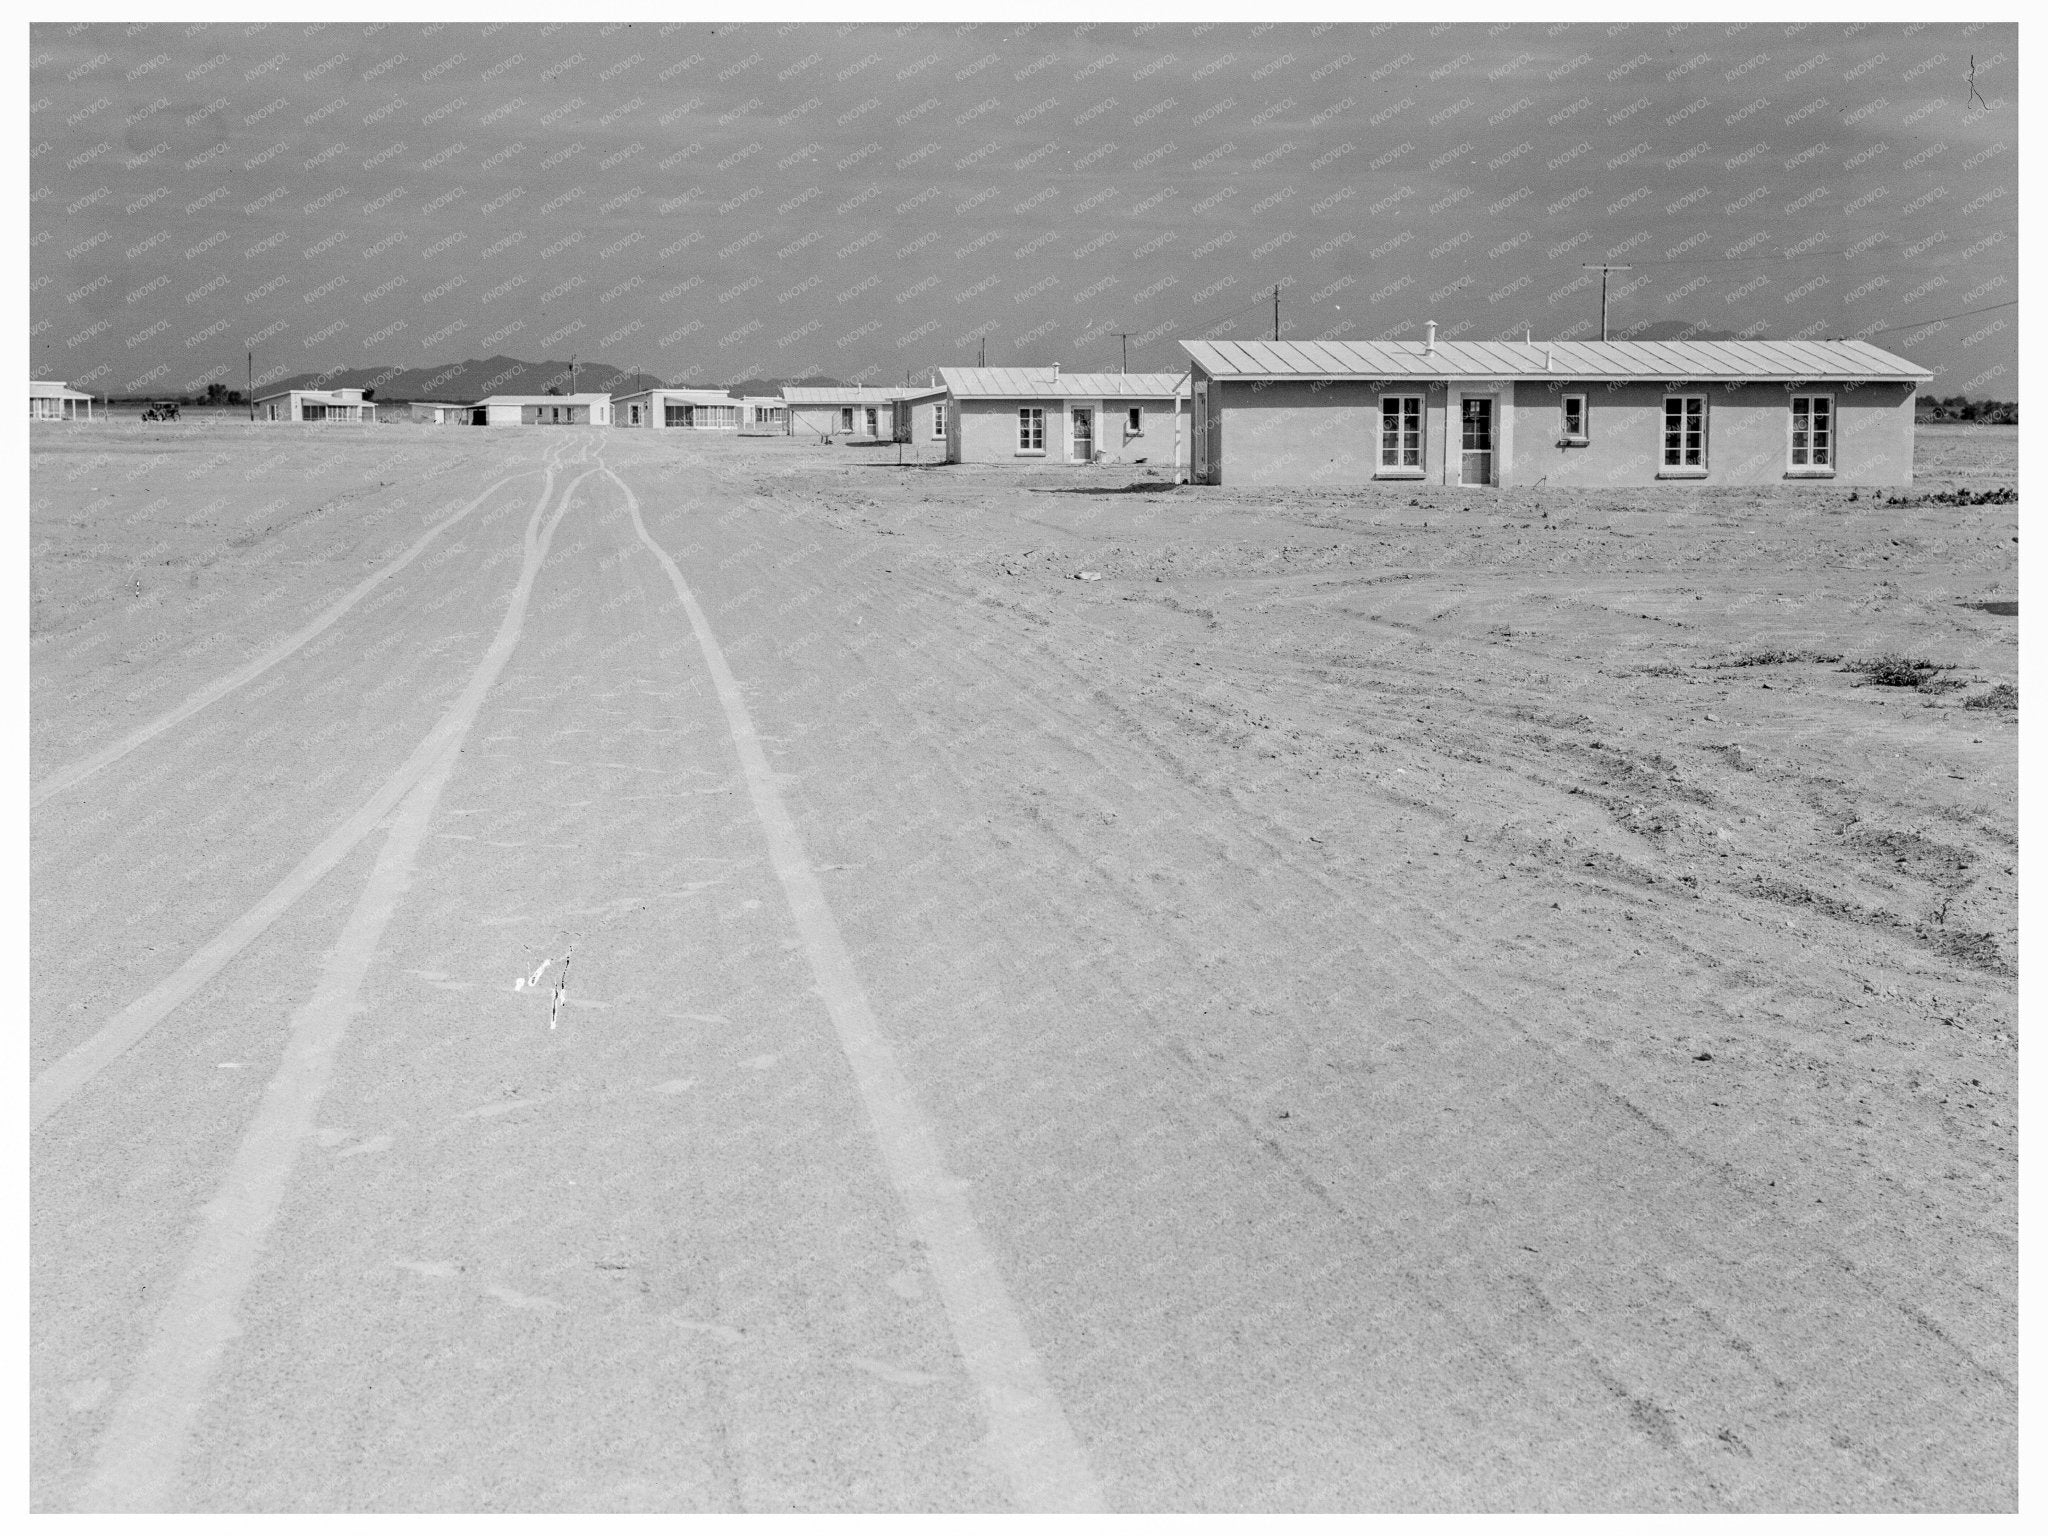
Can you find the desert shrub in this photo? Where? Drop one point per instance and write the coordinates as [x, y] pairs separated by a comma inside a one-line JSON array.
[[2004, 696], [2000, 496], [1895, 671], [1942, 685], [1774, 658]]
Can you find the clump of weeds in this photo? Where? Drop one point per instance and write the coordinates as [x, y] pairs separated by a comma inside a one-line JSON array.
[[1774, 658], [2003, 495], [2003, 696], [1895, 671]]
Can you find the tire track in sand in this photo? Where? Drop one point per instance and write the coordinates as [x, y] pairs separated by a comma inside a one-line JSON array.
[[1029, 1436], [220, 688], [136, 1466], [62, 1079]]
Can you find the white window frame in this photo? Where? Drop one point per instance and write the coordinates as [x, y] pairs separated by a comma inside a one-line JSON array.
[[1134, 421], [1031, 431], [1666, 468], [939, 418], [1396, 470], [1565, 434], [1814, 468]]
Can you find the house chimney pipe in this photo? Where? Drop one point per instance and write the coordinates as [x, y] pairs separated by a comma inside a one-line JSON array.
[[1429, 337]]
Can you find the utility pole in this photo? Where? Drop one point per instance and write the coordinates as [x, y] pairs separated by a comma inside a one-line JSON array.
[[983, 355], [249, 393], [1125, 338], [1276, 311], [572, 372], [1604, 270]]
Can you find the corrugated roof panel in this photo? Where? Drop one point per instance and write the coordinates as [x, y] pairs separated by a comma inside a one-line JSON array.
[[690, 396], [1649, 360], [1043, 384], [847, 394]]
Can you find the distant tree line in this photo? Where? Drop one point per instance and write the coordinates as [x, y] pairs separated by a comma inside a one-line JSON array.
[[2001, 413]]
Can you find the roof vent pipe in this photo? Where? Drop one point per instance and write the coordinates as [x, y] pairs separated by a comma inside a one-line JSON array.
[[1055, 373], [1548, 366], [1429, 338]]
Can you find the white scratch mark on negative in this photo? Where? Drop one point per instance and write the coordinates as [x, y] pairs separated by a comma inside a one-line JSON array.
[[63, 1078], [1028, 1431], [136, 1466]]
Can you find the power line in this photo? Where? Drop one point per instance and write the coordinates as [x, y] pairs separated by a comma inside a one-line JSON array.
[[1964, 315], [1701, 261]]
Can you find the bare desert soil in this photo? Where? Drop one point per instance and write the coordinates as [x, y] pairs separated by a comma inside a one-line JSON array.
[[1433, 999]]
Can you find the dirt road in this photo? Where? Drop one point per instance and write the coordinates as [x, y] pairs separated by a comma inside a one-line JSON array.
[[585, 971]]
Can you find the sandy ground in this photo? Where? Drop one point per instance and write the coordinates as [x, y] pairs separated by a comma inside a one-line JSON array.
[[1419, 1003]]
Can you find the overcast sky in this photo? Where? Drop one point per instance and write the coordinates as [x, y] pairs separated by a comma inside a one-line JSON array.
[[710, 202]]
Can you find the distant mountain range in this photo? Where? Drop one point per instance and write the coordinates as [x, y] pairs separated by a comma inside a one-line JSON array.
[[473, 379]]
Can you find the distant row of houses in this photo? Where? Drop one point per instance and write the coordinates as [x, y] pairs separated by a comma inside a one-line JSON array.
[[1292, 413]]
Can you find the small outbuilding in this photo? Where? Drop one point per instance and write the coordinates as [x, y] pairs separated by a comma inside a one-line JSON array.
[[49, 400], [1577, 413], [315, 405], [1009, 415], [587, 410], [920, 417], [441, 413], [764, 416], [701, 410]]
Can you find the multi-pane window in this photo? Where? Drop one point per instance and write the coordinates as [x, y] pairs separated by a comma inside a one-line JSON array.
[[939, 419], [1575, 418], [1030, 429], [1401, 432], [1813, 432], [1685, 432]]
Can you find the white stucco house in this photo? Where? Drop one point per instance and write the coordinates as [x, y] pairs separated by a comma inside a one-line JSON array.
[[701, 410], [587, 410], [49, 400], [315, 405], [1025, 415]]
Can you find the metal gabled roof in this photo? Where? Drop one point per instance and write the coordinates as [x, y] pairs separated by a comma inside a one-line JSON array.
[[582, 399], [1650, 360], [1045, 384], [348, 396], [849, 394], [687, 396]]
